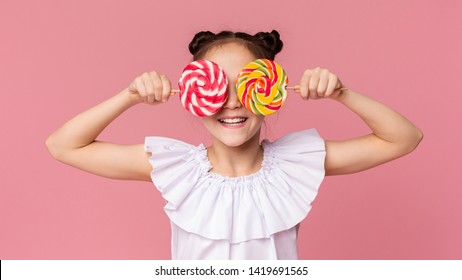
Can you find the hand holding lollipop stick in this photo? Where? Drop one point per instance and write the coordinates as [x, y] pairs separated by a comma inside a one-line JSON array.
[[327, 86], [297, 88], [262, 87]]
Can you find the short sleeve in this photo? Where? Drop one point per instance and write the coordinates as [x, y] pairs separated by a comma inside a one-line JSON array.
[[177, 166]]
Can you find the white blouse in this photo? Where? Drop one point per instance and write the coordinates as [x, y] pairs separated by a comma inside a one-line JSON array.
[[249, 217]]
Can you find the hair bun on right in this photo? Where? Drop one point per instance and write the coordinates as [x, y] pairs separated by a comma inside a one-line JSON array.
[[271, 41]]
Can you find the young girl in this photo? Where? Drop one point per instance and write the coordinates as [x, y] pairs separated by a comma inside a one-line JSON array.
[[240, 198]]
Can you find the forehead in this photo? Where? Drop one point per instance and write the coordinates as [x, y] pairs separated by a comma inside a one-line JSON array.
[[230, 56]]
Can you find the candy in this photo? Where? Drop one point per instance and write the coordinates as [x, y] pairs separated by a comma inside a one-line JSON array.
[[203, 88], [261, 86]]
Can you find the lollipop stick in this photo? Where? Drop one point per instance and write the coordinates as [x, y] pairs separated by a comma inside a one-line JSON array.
[[175, 91]]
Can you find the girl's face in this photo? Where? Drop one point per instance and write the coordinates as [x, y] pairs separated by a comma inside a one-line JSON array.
[[233, 125]]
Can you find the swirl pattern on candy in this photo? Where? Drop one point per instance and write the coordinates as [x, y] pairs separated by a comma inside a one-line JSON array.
[[261, 86], [203, 88]]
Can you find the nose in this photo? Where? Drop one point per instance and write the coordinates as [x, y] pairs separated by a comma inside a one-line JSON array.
[[232, 102]]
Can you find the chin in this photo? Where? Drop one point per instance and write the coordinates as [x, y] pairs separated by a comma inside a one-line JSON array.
[[232, 141], [238, 140]]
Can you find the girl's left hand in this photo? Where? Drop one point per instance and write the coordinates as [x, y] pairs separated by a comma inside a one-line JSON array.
[[319, 83]]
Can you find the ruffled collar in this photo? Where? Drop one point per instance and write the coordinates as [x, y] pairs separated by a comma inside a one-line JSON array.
[[266, 165], [237, 209]]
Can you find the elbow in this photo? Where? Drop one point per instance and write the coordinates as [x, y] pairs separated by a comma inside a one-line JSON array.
[[53, 147], [413, 140], [419, 137]]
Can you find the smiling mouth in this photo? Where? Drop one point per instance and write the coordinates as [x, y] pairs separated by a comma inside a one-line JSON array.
[[233, 121]]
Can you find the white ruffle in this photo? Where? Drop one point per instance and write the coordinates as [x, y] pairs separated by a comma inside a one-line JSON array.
[[274, 199]]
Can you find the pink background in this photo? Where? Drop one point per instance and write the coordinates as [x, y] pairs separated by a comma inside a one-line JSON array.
[[58, 58]]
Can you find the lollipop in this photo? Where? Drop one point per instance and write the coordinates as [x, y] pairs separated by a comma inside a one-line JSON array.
[[203, 88], [261, 86]]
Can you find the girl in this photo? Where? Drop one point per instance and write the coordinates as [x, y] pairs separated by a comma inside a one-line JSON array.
[[240, 198]]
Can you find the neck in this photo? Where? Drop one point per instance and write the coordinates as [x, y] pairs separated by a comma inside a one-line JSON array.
[[236, 161]]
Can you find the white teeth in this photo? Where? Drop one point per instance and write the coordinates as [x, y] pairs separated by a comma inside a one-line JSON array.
[[233, 121]]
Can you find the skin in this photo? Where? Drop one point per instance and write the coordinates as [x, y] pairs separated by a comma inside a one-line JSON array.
[[234, 151]]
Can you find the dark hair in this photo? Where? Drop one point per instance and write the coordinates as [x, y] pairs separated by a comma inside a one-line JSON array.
[[262, 45]]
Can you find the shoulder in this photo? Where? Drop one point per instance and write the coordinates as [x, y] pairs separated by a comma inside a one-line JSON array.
[[153, 143], [300, 140], [296, 156], [171, 155]]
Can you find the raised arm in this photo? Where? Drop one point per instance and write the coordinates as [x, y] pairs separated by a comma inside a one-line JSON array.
[[75, 143], [392, 134]]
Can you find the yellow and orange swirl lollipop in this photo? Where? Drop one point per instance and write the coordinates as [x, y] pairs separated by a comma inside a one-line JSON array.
[[261, 86]]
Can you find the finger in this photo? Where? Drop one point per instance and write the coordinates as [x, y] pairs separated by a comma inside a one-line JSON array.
[[140, 88], [148, 84], [143, 86], [304, 83], [166, 88], [157, 86], [333, 85], [323, 82], [313, 85]]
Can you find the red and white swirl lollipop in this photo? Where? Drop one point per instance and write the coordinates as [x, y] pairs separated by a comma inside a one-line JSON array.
[[203, 88]]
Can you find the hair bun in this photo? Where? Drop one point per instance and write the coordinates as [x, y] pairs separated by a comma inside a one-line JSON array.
[[261, 45], [200, 39], [271, 41]]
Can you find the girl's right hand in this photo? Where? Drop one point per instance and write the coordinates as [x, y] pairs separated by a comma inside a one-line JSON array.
[[151, 88]]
